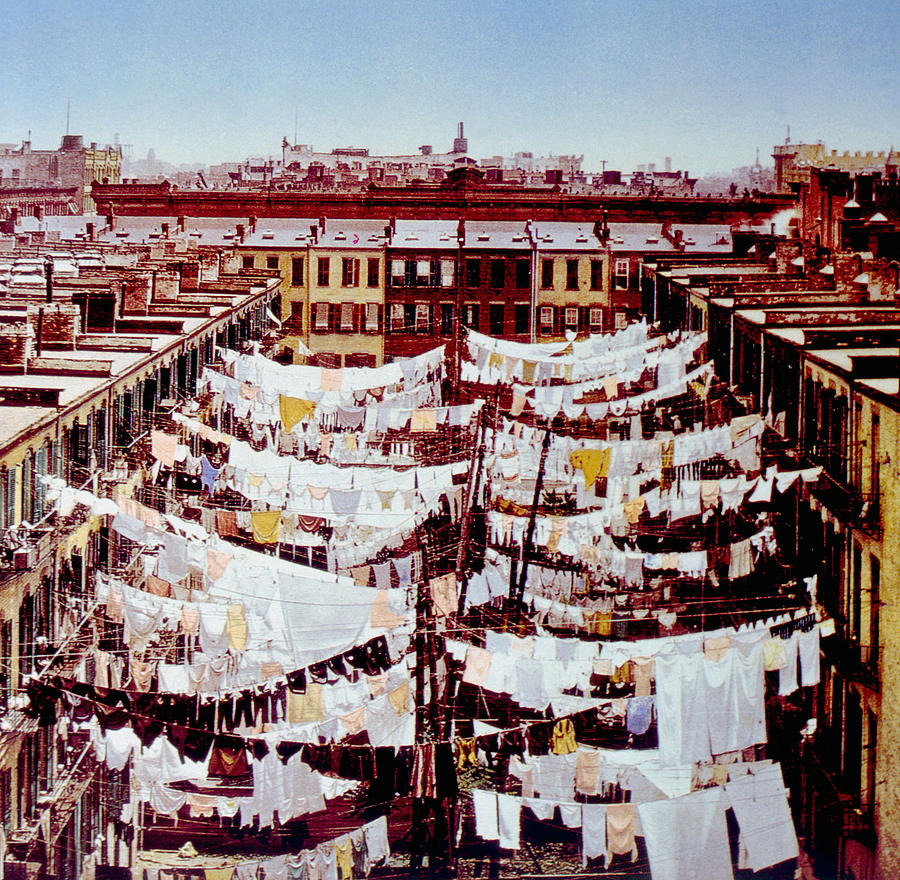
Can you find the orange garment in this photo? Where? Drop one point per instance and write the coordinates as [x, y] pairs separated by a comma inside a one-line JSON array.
[[293, 410], [265, 525]]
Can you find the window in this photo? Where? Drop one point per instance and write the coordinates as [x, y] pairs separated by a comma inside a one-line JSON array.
[[596, 317], [297, 272], [423, 273], [272, 262], [473, 273], [374, 272], [447, 273], [498, 274], [349, 272], [621, 320], [596, 274], [571, 316], [434, 274], [371, 317], [621, 274], [495, 318], [247, 262], [521, 317], [472, 315], [324, 271], [571, 274], [546, 274], [523, 274], [297, 311], [546, 322], [446, 319], [321, 319], [398, 272], [396, 317], [422, 321], [874, 609], [347, 317], [359, 359]]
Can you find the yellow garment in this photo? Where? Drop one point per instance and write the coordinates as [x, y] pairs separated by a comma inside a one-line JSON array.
[[255, 480], [633, 509], [293, 410], [306, 707], [567, 371], [236, 627], [562, 741], [399, 698], [622, 674], [218, 873], [343, 855], [350, 442], [528, 371], [467, 753], [594, 463], [773, 655], [265, 525], [495, 361], [423, 420]]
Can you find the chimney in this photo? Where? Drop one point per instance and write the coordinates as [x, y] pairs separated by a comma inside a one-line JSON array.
[[165, 229], [322, 224], [89, 229], [314, 232], [14, 215], [393, 222], [252, 224], [240, 232], [110, 221], [180, 223], [39, 213], [461, 231], [48, 274]]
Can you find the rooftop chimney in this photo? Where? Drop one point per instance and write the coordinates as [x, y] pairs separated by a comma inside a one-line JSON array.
[[110, 220], [314, 232], [322, 224], [89, 229], [165, 229], [240, 231], [252, 223], [180, 224]]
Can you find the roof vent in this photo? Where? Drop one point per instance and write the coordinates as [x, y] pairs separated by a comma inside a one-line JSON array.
[[652, 239], [484, 238], [581, 239], [268, 234], [339, 236]]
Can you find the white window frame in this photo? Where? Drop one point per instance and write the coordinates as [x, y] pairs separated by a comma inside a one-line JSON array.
[[571, 316], [621, 320], [595, 317], [397, 315], [622, 274], [421, 317], [546, 316]]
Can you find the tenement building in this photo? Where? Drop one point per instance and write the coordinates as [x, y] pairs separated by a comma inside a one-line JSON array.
[[97, 340], [806, 330]]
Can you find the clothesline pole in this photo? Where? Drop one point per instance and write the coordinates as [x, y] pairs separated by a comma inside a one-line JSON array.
[[532, 519], [475, 468]]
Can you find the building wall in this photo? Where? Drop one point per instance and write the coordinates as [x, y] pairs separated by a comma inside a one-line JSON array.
[[343, 334], [585, 289]]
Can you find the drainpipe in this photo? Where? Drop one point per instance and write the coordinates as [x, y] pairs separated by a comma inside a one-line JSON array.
[[534, 264]]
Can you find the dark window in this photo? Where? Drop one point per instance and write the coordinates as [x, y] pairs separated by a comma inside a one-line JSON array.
[[247, 262], [324, 266], [546, 273], [473, 273], [857, 591], [596, 274], [349, 272], [446, 319], [498, 273], [523, 274], [297, 272], [434, 273], [495, 316], [410, 273], [522, 314], [874, 608], [409, 318], [271, 262], [571, 274], [297, 310], [374, 273]]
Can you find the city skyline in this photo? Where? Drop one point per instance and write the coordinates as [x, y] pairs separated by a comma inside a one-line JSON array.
[[622, 83]]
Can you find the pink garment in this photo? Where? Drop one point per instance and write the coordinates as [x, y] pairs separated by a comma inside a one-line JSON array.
[[332, 380], [163, 447], [478, 662], [216, 563]]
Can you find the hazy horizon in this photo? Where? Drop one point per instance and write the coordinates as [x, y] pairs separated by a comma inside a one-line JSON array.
[[702, 82]]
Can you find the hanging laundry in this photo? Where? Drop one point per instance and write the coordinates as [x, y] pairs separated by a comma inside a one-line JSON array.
[[593, 462], [265, 525]]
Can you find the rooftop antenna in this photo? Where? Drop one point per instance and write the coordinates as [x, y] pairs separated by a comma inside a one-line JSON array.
[[68, 108], [787, 140]]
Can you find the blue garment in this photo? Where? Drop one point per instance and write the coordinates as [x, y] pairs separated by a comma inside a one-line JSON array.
[[639, 714], [208, 474], [404, 570]]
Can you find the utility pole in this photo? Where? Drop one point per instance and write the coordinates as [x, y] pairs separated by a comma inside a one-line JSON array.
[[475, 466], [532, 518]]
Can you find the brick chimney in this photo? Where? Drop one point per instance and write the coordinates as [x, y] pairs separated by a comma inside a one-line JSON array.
[[883, 277], [60, 324], [15, 347], [846, 268]]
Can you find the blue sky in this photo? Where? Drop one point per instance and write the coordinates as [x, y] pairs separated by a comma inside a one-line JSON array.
[[628, 82]]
